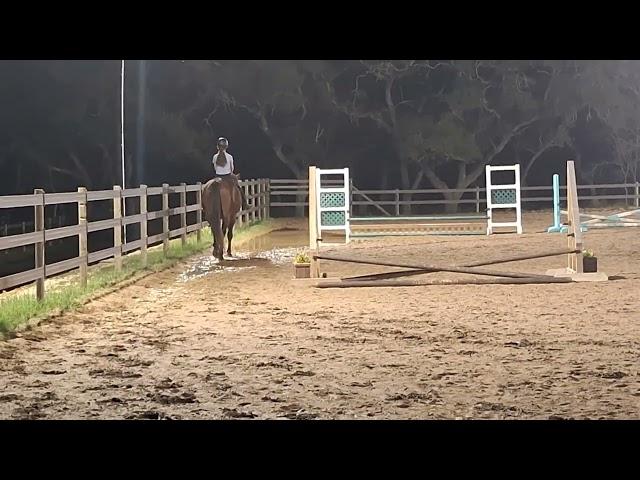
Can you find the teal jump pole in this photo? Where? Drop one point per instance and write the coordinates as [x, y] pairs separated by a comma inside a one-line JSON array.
[[557, 226]]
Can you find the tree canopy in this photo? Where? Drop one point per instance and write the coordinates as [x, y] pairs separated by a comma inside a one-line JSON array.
[[403, 123]]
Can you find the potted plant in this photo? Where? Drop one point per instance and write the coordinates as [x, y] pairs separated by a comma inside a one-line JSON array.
[[302, 266], [589, 261]]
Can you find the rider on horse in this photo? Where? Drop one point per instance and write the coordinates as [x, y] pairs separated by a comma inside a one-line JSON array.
[[223, 167]]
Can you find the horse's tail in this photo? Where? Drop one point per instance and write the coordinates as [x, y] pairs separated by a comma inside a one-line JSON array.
[[216, 205]]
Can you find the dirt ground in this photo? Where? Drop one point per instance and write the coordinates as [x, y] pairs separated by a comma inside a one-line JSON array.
[[244, 340]]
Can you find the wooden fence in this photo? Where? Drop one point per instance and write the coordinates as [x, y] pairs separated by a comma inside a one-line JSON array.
[[293, 193], [257, 193]]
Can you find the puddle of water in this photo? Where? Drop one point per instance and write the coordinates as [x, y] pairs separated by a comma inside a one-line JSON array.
[[286, 238], [273, 249]]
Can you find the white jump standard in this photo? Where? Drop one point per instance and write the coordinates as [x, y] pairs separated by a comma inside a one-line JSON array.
[[332, 204], [503, 197]]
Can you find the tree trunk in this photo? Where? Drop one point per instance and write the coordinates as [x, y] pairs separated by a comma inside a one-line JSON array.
[[405, 183], [532, 161], [452, 197], [277, 145], [464, 180], [384, 183]]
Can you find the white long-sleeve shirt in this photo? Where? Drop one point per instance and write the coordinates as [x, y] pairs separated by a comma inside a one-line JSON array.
[[224, 169]]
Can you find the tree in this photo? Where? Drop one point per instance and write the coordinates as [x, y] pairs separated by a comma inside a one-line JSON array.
[[441, 114], [611, 90], [290, 110]]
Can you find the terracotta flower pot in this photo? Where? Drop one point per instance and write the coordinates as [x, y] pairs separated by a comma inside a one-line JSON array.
[[590, 264]]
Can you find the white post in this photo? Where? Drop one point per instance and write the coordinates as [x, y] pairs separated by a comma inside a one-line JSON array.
[[489, 201], [313, 222], [118, 200], [347, 200], [518, 201]]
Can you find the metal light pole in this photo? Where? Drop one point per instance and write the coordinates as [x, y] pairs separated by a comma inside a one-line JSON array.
[[122, 142]]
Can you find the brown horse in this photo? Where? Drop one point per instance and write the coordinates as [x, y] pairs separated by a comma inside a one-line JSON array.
[[221, 203]]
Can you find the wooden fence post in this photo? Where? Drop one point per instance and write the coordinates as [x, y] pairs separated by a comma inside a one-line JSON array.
[[246, 194], [259, 200], [350, 199], [253, 203], [240, 219], [117, 228], [143, 225], [39, 246], [165, 218], [261, 197], [183, 213], [83, 252], [268, 209], [199, 212]]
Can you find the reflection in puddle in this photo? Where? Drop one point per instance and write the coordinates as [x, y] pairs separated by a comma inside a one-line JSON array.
[[276, 248], [280, 256], [206, 264], [278, 239]]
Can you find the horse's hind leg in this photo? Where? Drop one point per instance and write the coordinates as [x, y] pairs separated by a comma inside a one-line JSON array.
[[224, 234], [229, 238], [217, 249], [213, 236]]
